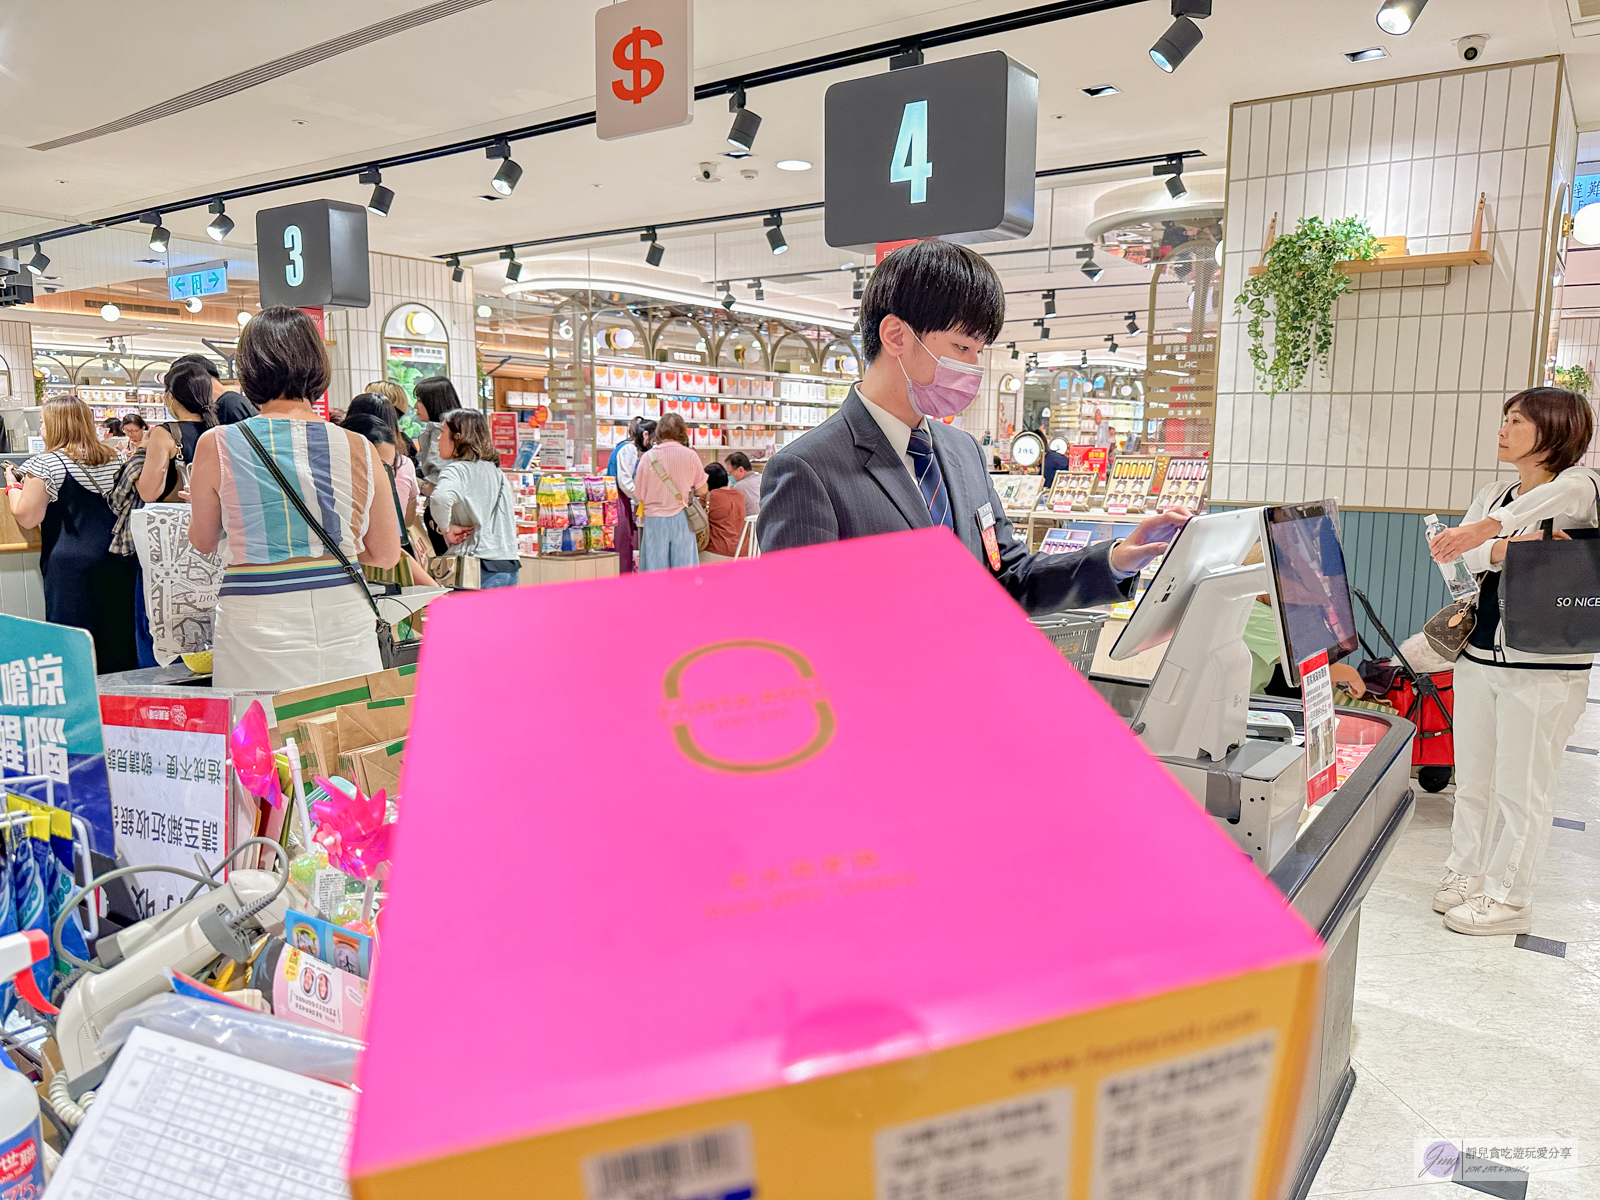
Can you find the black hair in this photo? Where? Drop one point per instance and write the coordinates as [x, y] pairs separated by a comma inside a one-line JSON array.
[[113, 427], [436, 394], [371, 404], [716, 476], [281, 357], [190, 389], [199, 360], [134, 418], [370, 426], [642, 433], [933, 286], [1564, 421], [739, 460]]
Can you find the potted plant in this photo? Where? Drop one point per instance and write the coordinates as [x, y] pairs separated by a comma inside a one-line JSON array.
[[1301, 282], [1574, 378]]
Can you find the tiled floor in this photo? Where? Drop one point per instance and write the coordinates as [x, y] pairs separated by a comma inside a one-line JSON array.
[[1471, 1036]]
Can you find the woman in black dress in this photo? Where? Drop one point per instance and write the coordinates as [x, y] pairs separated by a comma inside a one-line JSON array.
[[63, 492]]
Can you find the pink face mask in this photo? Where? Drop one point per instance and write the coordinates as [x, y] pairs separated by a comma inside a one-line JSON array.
[[955, 385]]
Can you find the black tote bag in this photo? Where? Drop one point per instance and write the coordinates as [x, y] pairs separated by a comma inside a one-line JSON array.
[[1551, 603]]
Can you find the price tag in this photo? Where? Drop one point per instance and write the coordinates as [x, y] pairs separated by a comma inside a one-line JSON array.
[[1316, 690]]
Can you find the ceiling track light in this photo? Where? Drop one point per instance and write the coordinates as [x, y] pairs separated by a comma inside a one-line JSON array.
[[9, 266], [1173, 168], [727, 296], [1050, 303], [760, 293], [513, 267], [1014, 354], [1084, 361], [378, 204], [653, 255], [160, 236], [775, 238], [746, 124], [1093, 269], [221, 223], [1398, 16], [1112, 338], [857, 285], [505, 179], [1133, 323], [1044, 330], [457, 272], [39, 261], [1182, 36]]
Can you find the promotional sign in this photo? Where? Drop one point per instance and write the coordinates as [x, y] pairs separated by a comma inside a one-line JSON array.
[[942, 150], [50, 722], [168, 761], [207, 279], [503, 433], [1316, 685], [643, 66], [313, 254]]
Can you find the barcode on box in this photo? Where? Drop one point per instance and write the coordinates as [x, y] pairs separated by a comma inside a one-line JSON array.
[[714, 1164], [1188, 1127]]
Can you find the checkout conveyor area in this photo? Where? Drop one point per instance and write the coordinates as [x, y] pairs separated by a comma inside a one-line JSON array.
[[1242, 757]]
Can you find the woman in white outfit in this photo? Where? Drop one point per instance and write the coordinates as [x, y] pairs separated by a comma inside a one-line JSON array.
[[1513, 711]]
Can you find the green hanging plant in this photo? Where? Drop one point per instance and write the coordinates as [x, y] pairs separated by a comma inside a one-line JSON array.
[[1302, 282], [1574, 379]]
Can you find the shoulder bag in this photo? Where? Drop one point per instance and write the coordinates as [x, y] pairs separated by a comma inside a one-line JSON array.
[[464, 571], [694, 512], [1448, 629], [1552, 592], [388, 647]]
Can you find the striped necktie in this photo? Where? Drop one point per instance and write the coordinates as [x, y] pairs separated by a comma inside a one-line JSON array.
[[929, 478]]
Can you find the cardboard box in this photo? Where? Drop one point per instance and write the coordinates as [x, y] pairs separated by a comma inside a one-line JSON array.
[[290, 708], [373, 721], [834, 943], [375, 768]]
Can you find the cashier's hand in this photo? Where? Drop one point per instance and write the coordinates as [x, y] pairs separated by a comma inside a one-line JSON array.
[[1453, 543], [457, 534], [1149, 540]]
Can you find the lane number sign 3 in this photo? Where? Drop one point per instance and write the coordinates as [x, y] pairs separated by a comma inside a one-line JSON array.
[[294, 271]]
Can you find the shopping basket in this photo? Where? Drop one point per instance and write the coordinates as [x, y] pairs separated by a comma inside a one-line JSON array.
[[1074, 634]]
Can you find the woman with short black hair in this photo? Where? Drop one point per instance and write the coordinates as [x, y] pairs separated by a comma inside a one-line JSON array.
[[289, 613], [436, 398], [1513, 710]]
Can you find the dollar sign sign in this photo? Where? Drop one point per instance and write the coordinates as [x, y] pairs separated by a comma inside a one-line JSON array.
[[628, 54]]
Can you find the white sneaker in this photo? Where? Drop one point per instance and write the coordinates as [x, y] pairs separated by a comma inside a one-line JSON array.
[[1455, 889], [1482, 915]]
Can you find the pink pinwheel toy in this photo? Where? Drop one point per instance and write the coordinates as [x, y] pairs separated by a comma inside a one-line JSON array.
[[252, 756], [353, 829]]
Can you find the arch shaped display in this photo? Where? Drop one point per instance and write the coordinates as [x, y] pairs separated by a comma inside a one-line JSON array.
[[416, 345]]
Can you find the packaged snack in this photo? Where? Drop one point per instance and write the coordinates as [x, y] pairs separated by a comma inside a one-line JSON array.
[[610, 535], [575, 490], [608, 513], [596, 537], [577, 515], [597, 510], [550, 541], [610, 488], [595, 487]]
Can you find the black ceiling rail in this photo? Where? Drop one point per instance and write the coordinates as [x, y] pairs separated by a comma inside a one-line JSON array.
[[948, 35]]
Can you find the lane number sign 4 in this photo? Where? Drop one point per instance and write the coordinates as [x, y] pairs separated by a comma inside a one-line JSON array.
[[910, 163]]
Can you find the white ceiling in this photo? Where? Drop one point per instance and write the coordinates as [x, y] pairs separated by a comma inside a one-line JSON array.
[[507, 63]]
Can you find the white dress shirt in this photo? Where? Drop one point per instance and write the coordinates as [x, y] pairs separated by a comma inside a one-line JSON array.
[[896, 430]]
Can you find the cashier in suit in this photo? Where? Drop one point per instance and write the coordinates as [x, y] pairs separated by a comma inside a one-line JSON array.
[[885, 462]]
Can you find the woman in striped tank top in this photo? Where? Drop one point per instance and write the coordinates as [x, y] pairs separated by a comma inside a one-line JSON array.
[[288, 614]]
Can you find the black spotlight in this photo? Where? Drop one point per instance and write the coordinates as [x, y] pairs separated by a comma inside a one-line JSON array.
[[378, 204], [9, 266], [1182, 36], [1112, 338], [775, 238], [513, 267], [760, 292], [1133, 323], [1044, 330], [39, 261], [857, 286], [1050, 303], [505, 179], [653, 255], [1014, 354], [221, 223], [1084, 361], [745, 123], [159, 236], [457, 274]]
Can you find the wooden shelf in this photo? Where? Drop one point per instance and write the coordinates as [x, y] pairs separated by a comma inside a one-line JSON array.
[[1409, 262]]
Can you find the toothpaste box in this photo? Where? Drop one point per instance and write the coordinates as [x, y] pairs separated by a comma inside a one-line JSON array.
[[833, 943]]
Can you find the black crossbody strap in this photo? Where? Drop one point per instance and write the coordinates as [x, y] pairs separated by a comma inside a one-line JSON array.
[[289, 490]]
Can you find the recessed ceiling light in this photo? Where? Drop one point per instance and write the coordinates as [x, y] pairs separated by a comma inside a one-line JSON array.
[[1367, 55], [793, 164], [1104, 89], [485, 311], [488, 197], [736, 154], [154, 262]]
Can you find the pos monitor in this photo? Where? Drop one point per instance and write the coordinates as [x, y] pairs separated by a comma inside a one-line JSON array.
[[1310, 590]]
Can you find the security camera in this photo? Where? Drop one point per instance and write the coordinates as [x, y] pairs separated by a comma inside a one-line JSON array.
[[708, 173], [1471, 47]]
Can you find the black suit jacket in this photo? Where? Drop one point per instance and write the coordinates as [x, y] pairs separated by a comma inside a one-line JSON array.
[[844, 480]]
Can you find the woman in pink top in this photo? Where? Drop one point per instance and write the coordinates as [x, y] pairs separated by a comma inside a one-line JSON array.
[[665, 478]]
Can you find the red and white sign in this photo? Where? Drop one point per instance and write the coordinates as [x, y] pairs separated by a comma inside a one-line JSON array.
[[503, 433], [643, 67], [1322, 726]]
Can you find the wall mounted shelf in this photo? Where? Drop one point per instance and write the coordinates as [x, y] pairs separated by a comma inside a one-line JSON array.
[[1474, 256]]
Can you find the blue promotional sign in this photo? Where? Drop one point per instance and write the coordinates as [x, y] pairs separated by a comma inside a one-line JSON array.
[[1585, 190], [51, 749], [208, 279]]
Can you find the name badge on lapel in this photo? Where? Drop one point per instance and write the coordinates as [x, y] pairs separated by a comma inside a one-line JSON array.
[[991, 543]]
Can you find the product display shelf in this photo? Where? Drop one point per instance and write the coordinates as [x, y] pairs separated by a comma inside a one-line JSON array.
[[613, 389]]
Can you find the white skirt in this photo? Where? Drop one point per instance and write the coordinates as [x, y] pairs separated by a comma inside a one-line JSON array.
[[288, 640]]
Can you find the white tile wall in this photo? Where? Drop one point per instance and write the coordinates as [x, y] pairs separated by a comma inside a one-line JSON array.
[[16, 348], [1578, 344], [1404, 417], [357, 351]]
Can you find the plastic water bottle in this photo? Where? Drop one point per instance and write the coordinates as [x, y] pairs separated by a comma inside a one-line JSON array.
[[1456, 576], [21, 1146]]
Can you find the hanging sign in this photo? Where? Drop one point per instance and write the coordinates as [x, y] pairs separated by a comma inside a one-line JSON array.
[[168, 760], [1316, 691], [50, 748], [204, 279], [643, 66], [313, 254], [942, 150]]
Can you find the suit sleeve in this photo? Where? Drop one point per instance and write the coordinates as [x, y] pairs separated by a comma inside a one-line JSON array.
[[1046, 583], [796, 509]]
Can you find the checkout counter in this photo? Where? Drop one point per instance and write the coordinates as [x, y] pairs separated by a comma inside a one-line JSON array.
[[1242, 756]]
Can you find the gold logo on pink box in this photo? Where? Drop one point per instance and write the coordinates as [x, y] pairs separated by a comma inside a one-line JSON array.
[[746, 707]]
